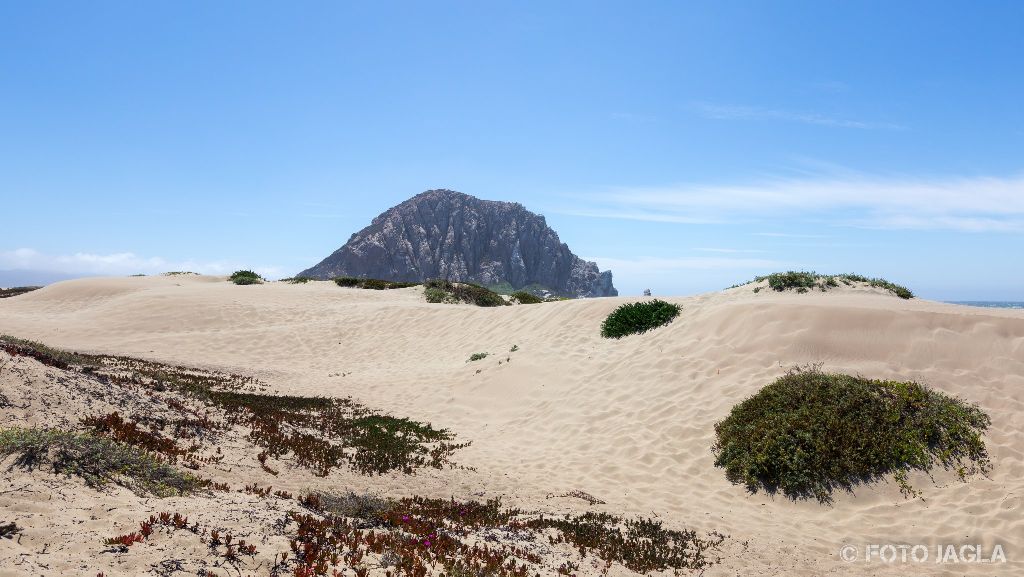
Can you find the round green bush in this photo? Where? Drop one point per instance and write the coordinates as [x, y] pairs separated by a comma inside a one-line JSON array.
[[640, 317], [810, 433], [245, 277]]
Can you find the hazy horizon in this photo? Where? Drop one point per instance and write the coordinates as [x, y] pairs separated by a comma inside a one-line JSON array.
[[685, 147]]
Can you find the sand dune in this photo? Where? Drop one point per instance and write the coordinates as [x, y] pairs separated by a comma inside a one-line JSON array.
[[628, 421]]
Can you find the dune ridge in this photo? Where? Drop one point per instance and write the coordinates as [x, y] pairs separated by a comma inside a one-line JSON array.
[[628, 421]]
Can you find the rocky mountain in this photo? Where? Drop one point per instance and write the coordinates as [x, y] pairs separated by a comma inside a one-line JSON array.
[[449, 235]]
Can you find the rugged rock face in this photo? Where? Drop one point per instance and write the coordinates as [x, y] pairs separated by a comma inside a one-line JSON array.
[[449, 235]]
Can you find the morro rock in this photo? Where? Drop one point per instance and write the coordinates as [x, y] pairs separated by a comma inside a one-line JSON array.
[[449, 235]]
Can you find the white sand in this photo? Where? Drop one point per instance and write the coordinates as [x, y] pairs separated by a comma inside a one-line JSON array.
[[629, 421]]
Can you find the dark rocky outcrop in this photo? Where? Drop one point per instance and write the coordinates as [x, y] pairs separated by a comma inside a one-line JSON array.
[[449, 235]]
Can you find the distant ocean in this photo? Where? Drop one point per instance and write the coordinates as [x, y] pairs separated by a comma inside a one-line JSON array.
[[992, 304]]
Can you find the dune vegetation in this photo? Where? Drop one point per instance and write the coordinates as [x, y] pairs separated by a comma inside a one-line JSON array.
[[371, 283], [638, 317], [442, 291], [811, 433], [526, 298], [245, 277], [804, 281], [97, 460], [192, 414], [16, 291]]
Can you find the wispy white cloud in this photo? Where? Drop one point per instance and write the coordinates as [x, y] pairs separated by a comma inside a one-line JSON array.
[[733, 112], [981, 204], [121, 263]]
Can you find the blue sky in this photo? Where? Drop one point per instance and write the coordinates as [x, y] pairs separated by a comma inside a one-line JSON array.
[[687, 146]]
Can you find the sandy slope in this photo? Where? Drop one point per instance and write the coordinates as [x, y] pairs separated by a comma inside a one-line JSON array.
[[629, 421]]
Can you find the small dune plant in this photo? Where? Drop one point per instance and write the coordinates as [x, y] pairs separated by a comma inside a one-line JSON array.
[[442, 291], [297, 280], [810, 433], [97, 460], [477, 357], [639, 317], [244, 277]]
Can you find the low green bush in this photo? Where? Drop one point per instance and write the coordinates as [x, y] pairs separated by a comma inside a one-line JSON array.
[[17, 291], [461, 292], [525, 298], [781, 281], [810, 433], [97, 460], [374, 284], [436, 295], [639, 317], [245, 277], [298, 280], [477, 357], [371, 283]]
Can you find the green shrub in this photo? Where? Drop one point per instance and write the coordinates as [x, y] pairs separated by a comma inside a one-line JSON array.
[[371, 283], [16, 291], [462, 292], [374, 284], [477, 357], [97, 460], [298, 280], [639, 317], [803, 281], [810, 433], [436, 295], [244, 277], [781, 281], [526, 298]]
